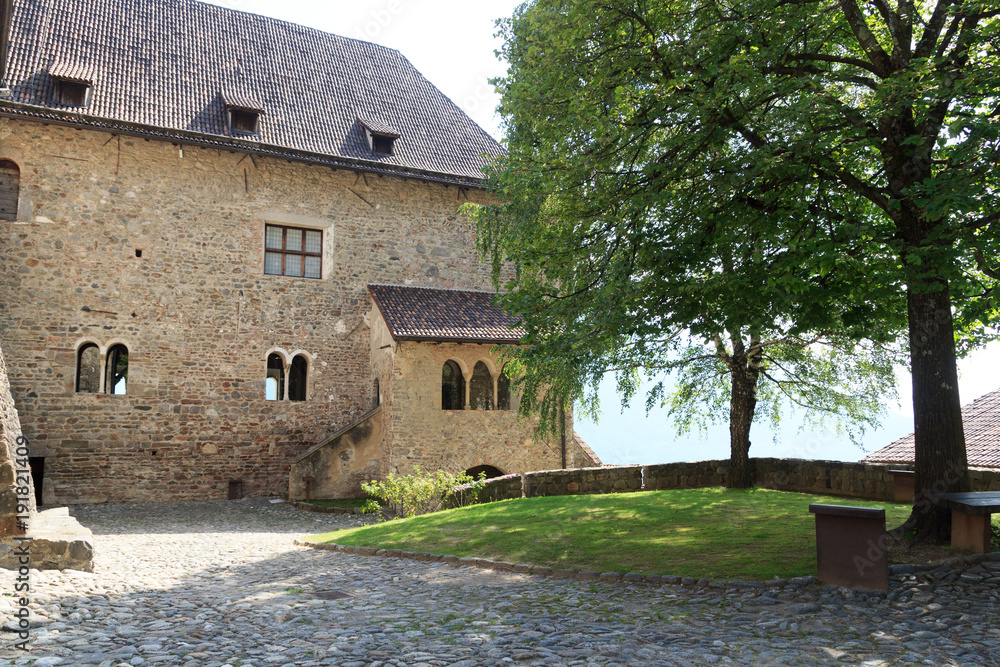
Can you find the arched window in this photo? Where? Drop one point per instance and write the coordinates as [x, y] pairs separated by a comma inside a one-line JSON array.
[[503, 390], [117, 371], [10, 187], [274, 385], [88, 369], [481, 388], [297, 378], [378, 396], [452, 387]]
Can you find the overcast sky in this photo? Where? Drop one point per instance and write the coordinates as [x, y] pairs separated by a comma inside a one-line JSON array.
[[452, 43]]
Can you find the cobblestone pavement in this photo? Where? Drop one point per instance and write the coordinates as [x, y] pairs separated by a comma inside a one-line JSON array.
[[221, 583]]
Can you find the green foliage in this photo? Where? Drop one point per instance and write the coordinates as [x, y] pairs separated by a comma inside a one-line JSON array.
[[416, 493], [762, 178]]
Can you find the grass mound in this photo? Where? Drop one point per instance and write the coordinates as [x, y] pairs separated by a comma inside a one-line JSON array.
[[717, 533]]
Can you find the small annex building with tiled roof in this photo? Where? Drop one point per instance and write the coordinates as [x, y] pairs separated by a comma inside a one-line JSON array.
[[194, 201], [981, 422]]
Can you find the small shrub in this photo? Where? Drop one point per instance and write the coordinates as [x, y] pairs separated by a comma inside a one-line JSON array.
[[417, 493]]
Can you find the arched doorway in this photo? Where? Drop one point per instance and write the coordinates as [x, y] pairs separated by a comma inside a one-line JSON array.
[[490, 471]]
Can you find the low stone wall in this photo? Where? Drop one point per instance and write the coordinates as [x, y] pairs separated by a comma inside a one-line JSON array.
[[869, 481], [579, 481], [686, 475], [494, 490]]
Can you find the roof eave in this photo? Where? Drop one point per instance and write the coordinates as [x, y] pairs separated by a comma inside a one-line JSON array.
[[47, 115]]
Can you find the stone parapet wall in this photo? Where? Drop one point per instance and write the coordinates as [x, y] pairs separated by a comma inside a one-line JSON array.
[[605, 479], [685, 475], [869, 481]]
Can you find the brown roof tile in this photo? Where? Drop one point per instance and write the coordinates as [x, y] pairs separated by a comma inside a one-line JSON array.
[[981, 420], [170, 65], [430, 314]]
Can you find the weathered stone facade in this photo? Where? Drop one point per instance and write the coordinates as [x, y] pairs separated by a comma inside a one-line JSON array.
[[199, 316]]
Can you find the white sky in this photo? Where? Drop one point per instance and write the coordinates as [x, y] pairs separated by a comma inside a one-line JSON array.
[[452, 43]]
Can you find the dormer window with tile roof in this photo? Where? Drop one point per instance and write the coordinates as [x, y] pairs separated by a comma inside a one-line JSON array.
[[381, 136], [72, 84], [244, 121]]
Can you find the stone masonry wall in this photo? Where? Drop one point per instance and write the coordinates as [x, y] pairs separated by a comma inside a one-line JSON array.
[[606, 479], [197, 312], [423, 434]]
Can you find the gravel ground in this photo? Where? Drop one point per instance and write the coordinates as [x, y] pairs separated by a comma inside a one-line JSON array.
[[222, 583]]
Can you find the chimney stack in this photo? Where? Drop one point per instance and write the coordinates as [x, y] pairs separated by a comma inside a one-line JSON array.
[[6, 10]]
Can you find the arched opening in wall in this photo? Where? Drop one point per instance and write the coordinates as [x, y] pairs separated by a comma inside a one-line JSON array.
[[503, 390], [378, 396], [88, 369], [452, 387], [274, 384], [490, 471], [117, 371], [10, 189], [298, 376], [481, 388]]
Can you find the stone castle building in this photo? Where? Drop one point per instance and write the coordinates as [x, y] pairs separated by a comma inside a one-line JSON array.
[[233, 262]]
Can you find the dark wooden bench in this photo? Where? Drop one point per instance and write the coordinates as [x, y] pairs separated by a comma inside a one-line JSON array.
[[903, 485], [970, 517], [851, 546]]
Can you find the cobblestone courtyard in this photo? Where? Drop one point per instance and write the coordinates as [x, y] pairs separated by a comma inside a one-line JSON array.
[[221, 583]]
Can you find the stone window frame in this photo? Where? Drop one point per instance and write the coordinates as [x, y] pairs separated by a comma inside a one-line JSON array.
[[103, 350], [284, 252], [287, 359]]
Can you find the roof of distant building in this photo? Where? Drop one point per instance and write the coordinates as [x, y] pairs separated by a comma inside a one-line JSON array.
[[444, 315], [981, 420], [171, 68]]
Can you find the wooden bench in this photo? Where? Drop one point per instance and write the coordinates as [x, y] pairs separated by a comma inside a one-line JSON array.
[[970, 517], [903, 483], [851, 546]]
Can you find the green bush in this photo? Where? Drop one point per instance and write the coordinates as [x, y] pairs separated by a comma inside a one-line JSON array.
[[419, 493]]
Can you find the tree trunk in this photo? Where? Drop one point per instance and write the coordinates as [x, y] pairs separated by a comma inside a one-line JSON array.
[[941, 462], [742, 403]]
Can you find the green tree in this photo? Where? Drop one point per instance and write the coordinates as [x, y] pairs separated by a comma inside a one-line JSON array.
[[847, 153]]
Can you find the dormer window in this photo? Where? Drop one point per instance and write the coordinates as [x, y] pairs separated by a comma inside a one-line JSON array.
[[244, 121], [381, 136], [73, 84], [72, 93]]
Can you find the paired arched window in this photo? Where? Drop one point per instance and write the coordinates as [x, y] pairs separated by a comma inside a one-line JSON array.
[[274, 385], [297, 374], [88, 369], [503, 390], [481, 388], [10, 188], [89, 366], [485, 391], [117, 371], [286, 382], [452, 387]]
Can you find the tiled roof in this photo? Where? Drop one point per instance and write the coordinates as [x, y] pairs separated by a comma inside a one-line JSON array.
[[981, 420], [173, 65], [587, 451], [424, 313]]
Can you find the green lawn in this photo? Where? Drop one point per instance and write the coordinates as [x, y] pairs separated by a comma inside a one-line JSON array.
[[716, 533]]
